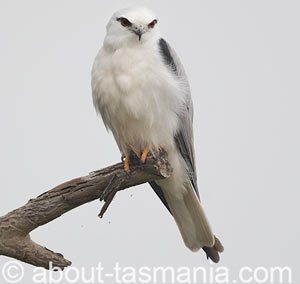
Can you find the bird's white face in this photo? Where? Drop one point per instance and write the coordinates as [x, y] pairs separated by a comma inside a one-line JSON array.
[[131, 26]]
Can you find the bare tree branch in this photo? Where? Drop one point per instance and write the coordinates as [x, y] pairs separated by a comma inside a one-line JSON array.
[[16, 226]]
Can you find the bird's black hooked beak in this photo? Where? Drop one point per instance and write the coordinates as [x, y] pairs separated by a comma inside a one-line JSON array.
[[139, 33]]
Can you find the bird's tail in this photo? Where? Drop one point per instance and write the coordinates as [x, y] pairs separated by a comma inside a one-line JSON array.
[[191, 219], [213, 252]]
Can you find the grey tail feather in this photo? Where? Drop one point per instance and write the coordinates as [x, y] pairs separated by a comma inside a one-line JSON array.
[[211, 252]]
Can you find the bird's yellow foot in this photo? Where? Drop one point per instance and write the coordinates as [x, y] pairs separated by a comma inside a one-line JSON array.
[[126, 163], [144, 155]]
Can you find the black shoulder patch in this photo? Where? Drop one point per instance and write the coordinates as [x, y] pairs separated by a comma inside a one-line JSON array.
[[166, 54]]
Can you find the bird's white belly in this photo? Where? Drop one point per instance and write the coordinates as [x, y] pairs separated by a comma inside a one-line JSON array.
[[141, 99]]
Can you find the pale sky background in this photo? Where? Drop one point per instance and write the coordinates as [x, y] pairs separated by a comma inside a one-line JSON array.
[[242, 59]]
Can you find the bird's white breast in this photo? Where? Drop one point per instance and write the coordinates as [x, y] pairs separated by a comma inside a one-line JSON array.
[[138, 97]]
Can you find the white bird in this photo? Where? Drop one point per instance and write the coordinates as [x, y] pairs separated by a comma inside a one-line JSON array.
[[142, 93]]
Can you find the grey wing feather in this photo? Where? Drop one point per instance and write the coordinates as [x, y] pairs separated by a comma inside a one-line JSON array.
[[184, 137]]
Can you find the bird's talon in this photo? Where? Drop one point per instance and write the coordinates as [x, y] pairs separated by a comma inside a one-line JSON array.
[[144, 155]]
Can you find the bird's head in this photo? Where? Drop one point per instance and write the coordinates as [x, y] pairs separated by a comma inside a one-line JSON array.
[[131, 26]]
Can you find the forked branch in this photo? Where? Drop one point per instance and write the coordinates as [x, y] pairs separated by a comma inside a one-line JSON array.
[[15, 227]]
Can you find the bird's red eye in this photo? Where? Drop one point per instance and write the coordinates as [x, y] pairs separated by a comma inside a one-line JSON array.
[[124, 22], [152, 24]]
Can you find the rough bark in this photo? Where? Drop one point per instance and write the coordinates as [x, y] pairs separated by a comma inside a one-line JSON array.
[[15, 227]]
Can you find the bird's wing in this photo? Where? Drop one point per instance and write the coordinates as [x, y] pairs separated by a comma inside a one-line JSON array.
[[184, 136]]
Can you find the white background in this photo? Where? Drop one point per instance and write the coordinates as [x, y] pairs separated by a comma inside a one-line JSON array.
[[242, 59]]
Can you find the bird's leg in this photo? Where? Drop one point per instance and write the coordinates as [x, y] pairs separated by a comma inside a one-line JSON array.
[[144, 155], [127, 163]]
